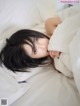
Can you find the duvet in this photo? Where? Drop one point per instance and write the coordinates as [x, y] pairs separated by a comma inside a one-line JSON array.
[[62, 39]]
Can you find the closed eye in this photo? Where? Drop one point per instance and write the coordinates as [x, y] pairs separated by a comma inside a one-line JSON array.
[[34, 50]]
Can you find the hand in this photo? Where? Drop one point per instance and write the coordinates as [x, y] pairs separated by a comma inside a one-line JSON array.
[[54, 54]]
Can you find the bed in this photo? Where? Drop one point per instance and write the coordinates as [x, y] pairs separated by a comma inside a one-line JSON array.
[[44, 86]]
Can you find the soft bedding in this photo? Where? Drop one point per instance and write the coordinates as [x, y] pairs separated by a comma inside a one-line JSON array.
[[61, 41], [75, 58], [44, 86], [50, 88]]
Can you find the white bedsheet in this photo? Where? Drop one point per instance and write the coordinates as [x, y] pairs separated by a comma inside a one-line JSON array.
[[50, 88]]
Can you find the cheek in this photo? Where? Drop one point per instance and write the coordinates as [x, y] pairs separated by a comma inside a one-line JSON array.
[[42, 52]]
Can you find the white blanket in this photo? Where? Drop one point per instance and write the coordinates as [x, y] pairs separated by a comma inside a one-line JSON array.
[[63, 40], [75, 58], [63, 36]]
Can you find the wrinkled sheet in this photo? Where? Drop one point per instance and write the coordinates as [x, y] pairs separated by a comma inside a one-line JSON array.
[[50, 88]]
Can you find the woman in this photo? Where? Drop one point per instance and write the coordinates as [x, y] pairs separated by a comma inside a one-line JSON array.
[[27, 48]]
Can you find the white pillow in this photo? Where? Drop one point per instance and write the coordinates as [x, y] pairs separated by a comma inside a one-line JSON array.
[[49, 8], [40, 28], [18, 13], [25, 13], [46, 8]]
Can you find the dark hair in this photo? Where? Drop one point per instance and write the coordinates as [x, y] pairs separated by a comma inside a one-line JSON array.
[[14, 57]]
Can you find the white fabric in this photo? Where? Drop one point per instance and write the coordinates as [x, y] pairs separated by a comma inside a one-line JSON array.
[[65, 31], [20, 14], [75, 58], [63, 65], [9, 87], [68, 12], [24, 76], [7, 83], [47, 8], [40, 28], [61, 39], [24, 13], [50, 88]]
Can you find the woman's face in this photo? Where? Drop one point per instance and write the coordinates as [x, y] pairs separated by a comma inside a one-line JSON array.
[[41, 46]]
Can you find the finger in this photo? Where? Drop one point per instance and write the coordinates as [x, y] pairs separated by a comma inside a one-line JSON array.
[[58, 54], [55, 54], [51, 54]]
